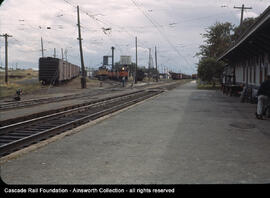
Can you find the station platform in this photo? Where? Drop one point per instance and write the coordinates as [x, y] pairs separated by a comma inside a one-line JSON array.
[[183, 136]]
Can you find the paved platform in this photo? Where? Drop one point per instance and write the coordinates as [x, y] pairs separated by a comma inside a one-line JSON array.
[[184, 136]]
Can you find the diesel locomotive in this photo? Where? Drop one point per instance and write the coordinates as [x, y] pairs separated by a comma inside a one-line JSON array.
[[117, 74]]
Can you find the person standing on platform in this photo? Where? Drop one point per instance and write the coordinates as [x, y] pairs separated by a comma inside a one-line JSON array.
[[263, 98]]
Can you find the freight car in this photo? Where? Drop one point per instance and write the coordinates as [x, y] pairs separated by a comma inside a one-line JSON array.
[[185, 76], [194, 76], [176, 76], [54, 70], [140, 75], [179, 76]]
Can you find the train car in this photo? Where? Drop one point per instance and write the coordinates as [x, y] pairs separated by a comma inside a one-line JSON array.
[[140, 75], [123, 73], [176, 76], [179, 76], [103, 73], [194, 76], [54, 70], [185, 76]]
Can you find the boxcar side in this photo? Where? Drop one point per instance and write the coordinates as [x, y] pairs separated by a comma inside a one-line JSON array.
[[54, 70], [48, 70]]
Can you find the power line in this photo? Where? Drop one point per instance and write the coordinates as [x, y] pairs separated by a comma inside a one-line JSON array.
[[156, 25], [98, 21]]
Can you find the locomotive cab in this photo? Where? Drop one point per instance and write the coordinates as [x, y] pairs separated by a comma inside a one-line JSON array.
[[123, 73]]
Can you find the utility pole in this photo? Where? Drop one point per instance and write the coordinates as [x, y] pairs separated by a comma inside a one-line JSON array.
[[113, 58], [6, 56], [241, 20], [135, 75], [54, 52], [149, 65], [62, 53], [83, 81], [156, 64], [66, 54], [242, 11], [42, 50]]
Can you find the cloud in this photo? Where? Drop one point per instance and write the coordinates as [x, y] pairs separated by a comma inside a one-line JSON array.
[[151, 21], [251, 14]]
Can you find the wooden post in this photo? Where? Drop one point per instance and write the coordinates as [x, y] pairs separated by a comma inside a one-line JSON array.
[[6, 56], [83, 81]]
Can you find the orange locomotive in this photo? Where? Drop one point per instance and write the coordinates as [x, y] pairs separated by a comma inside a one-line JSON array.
[[104, 73], [123, 73]]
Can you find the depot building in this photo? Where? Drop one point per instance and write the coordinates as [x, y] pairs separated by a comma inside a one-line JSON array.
[[249, 58]]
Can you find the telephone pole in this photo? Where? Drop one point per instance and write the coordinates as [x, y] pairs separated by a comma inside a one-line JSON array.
[[135, 75], [242, 11], [156, 64], [83, 81], [42, 50], [66, 54], [6, 56], [62, 53], [54, 52], [149, 65], [113, 58]]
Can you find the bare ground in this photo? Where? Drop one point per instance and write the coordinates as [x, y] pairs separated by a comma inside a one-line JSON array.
[[67, 88]]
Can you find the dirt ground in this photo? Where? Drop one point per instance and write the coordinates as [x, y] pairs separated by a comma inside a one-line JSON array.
[[67, 88]]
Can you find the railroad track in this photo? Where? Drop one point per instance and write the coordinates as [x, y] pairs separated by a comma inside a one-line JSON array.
[[32, 102], [20, 133]]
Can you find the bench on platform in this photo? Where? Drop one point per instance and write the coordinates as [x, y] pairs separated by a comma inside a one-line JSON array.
[[231, 89]]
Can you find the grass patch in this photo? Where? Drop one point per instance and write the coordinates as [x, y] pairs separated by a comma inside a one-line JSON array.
[[17, 75], [208, 86], [9, 90], [92, 82], [14, 77]]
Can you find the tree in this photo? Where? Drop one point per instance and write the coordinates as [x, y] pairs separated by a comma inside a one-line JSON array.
[[239, 30], [218, 39], [209, 69], [220, 36]]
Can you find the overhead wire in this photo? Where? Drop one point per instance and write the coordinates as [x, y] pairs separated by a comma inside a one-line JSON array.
[[99, 22], [157, 25]]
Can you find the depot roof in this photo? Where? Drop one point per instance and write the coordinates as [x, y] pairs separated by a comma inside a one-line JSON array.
[[254, 41]]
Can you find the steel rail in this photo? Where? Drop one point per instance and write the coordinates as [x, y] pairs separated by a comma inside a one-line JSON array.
[[7, 128], [32, 102], [24, 141], [44, 113]]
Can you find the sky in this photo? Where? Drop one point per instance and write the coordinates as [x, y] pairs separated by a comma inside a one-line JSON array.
[[173, 26]]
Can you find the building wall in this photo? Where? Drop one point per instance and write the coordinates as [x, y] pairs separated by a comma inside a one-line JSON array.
[[252, 70], [239, 74]]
